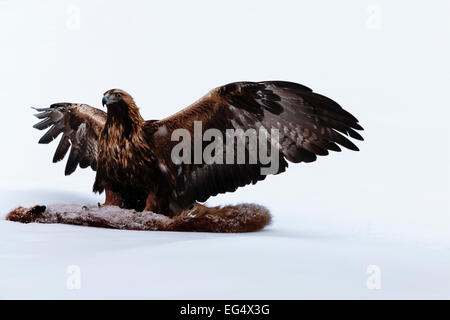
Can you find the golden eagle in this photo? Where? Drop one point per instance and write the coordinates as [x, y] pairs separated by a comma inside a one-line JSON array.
[[133, 157]]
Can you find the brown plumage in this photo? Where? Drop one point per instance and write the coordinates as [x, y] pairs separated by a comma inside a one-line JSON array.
[[239, 218], [132, 156]]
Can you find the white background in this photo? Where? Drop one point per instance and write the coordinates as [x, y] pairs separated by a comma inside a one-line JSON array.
[[387, 62]]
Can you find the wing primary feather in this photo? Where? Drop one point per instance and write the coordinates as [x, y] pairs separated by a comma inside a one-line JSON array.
[[42, 115], [62, 149], [41, 109], [44, 124], [72, 162], [355, 135], [343, 141], [357, 126]]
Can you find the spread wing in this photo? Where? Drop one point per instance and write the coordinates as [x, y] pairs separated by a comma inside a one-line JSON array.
[[308, 123], [80, 126]]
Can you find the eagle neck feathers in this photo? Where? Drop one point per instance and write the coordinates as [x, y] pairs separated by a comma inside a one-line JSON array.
[[125, 118]]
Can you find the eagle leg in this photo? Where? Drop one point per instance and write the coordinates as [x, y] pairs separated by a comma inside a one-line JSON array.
[[113, 199]]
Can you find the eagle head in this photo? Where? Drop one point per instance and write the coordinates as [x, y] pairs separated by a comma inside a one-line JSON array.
[[117, 97]]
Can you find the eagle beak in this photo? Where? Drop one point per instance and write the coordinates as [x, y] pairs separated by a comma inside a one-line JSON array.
[[105, 100]]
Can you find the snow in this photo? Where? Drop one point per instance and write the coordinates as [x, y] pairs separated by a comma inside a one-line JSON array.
[[286, 260]]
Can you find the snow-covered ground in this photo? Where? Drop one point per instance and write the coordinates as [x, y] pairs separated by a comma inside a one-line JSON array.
[[287, 260]]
